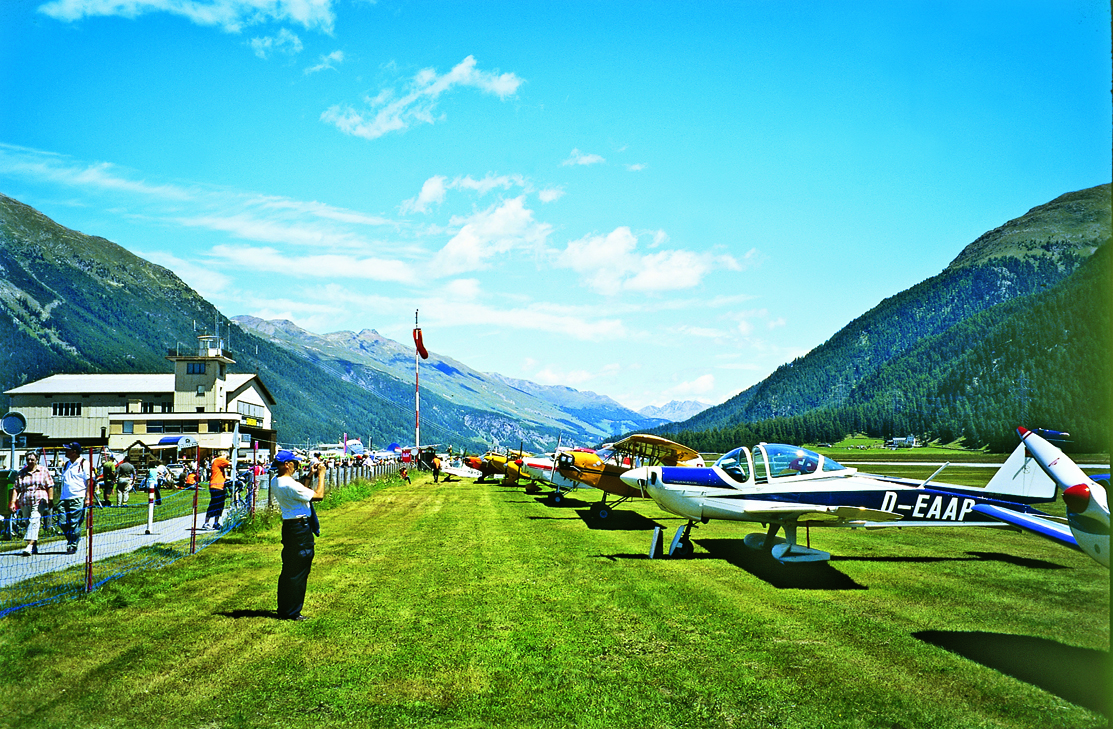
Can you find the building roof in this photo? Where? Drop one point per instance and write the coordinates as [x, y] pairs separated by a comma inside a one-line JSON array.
[[112, 384], [89, 384]]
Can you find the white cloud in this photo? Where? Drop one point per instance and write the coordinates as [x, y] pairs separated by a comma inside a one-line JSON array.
[[336, 57], [636, 167], [488, 183], [334, 266], [285, 42], [230, 15], [610, 264], [389, 114], [57, 168], [432, 193], [200, 276], [465, 289], [551, 194], [489, 233], [699, 386], [579, 158]]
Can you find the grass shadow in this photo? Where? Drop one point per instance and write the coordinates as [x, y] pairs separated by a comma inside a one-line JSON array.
[[1081, 676], [237, 614], [566, 502], [760, 564], [624, 520]]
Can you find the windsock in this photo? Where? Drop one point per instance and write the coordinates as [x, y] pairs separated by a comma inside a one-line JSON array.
[[420, 345]]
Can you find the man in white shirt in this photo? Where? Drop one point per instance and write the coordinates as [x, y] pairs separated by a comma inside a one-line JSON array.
[[299, 522], [75, 486]]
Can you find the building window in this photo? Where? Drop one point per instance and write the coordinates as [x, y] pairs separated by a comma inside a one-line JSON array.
[[167, 407], [129, 427], [250, 409], [154, 426], [214, 426], [200, 391], [195, 368], [66, 409], [147, 407]]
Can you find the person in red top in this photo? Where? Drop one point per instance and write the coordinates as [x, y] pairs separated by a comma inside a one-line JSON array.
[[216, 491]]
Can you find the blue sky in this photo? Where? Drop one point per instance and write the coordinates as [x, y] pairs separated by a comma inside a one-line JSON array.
[[653, 201]]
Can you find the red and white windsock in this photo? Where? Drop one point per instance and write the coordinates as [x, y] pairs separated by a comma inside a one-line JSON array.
[[419, 344]]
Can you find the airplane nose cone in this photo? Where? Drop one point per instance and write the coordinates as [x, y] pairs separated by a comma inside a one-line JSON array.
[[636, 478]]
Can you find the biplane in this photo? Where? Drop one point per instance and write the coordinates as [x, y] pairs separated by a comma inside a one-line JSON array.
[[603, 468]]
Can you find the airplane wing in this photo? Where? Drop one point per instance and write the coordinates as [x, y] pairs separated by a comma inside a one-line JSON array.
[[1056, 532], [780, 511], [654, 448]]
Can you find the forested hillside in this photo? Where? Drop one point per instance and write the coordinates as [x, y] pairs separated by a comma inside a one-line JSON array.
[[1012, 334]]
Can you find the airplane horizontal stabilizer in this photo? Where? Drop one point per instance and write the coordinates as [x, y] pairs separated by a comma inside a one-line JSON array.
[[1022, 477], [1046, 528]]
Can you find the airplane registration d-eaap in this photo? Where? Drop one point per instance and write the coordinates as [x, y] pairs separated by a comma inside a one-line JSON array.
[[784, 487]]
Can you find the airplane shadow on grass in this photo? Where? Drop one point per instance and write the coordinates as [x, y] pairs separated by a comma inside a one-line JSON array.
[[619, 521], [807, 576], [1081, 676], [804, 576], [1036, 564]]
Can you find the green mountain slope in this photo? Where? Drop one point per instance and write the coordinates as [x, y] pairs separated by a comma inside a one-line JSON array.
[[925, 334]]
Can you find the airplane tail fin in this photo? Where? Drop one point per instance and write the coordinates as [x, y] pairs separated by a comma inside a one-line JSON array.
[[1021, 478]]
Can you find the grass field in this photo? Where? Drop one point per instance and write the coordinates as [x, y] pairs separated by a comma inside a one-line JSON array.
[[476, 605]]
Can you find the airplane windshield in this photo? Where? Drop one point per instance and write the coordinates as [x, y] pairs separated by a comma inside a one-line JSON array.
[[735, 464], [785, 460]]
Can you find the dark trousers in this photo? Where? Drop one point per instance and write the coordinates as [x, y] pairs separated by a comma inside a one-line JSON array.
[[297, 559], [216, 505]]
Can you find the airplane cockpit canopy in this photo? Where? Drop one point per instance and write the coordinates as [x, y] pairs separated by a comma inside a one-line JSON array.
[[735, 464], [774, 460], [787, 460]]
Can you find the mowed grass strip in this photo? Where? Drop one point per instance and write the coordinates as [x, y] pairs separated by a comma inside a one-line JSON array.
[[478, 605]]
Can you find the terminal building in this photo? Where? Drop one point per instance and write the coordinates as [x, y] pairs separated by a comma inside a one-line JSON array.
[[200, 399]]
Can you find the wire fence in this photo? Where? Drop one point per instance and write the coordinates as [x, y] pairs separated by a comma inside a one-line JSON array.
[[149, 531]]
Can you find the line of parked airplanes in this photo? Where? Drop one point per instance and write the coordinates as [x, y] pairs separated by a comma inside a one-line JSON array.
[[785, 487]]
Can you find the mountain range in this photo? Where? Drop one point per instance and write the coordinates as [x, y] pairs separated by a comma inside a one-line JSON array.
[[74, 303], [1012, 330]]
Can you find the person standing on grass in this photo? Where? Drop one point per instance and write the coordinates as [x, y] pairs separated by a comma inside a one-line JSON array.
[[33, 495], [436, 469], [125, 477], [217, 479], [75, 487], [299, 525], [108, 477]]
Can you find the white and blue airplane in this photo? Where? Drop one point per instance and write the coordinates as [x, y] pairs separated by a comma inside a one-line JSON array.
[[784, 487]]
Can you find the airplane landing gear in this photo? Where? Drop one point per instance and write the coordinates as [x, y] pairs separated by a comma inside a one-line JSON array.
[[602, 512], [682, 547]]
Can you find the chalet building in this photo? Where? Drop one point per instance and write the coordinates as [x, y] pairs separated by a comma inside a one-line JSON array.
[[200, 399]]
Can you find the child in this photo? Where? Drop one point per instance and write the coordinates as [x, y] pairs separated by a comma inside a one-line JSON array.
[[404, 474]]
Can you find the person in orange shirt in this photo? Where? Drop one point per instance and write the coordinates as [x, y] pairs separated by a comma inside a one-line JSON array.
[[217, 480]]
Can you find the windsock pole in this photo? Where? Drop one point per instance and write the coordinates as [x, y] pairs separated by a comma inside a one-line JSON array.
[[417, 391]]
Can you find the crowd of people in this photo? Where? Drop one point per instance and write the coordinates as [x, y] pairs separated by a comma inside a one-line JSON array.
[[41, 496]]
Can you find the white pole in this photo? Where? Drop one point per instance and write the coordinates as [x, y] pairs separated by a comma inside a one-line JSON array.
[[417, 393]]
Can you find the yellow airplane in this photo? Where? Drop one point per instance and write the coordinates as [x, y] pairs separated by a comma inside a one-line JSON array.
[[603, 468]]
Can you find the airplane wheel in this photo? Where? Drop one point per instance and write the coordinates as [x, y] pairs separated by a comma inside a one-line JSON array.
[[684, 550], [603, 513], [556, 498]]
